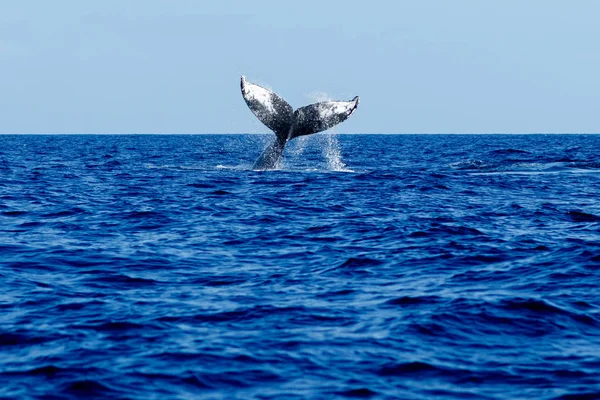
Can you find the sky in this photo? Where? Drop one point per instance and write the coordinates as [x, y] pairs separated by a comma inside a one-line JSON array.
[[173, 66]]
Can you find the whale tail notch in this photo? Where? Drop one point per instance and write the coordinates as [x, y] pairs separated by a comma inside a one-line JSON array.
[[280, 117]]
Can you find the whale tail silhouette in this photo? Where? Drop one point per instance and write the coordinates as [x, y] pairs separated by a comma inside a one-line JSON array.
[[280, 117]]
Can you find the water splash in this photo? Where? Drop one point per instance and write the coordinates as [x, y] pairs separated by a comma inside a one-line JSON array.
[[297, 146], [329, 141], [332, 153], [302, 150], [319, 96]]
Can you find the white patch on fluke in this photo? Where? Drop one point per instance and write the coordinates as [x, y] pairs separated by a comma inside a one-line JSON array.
[[329, 109], [259, 94]]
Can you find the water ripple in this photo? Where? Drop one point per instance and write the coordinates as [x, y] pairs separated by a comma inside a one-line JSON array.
[[370, 266]]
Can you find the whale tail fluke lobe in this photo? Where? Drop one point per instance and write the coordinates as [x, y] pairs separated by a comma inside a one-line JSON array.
[[269, 108], [319, 117], [280, 117]]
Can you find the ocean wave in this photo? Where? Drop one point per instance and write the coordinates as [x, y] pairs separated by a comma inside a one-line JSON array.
[[446, 266]]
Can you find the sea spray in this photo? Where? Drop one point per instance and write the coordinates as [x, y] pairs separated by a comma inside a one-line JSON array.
[[304, 149], [328, 141], [298, 145], [332, 153]]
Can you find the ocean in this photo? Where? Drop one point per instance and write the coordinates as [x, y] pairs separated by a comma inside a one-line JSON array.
[[367, 266]]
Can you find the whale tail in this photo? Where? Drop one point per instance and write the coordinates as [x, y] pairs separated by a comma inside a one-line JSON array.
[[280, 117]]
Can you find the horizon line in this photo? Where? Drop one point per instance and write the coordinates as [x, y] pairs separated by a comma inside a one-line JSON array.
[[267, 133]]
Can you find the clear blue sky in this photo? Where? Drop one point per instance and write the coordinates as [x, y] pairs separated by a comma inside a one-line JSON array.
[[161, 66]]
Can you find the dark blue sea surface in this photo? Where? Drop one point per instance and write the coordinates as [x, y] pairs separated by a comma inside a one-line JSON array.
[[368, 266]]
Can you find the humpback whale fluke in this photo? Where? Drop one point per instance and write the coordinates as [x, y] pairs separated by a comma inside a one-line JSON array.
[[288, 124]]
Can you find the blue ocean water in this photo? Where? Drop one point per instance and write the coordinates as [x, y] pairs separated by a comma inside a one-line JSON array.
[[368, 266]]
